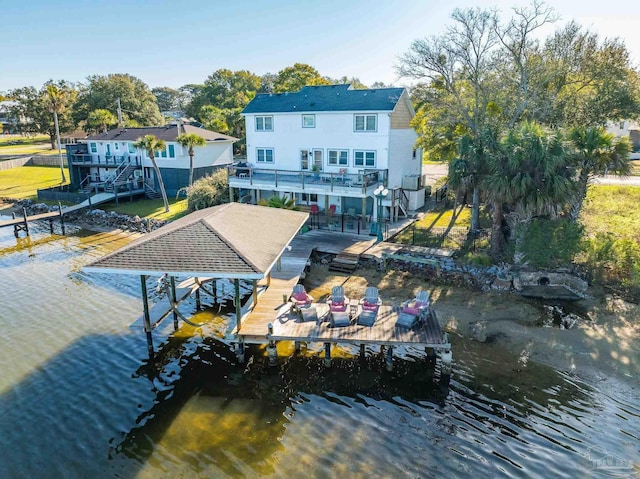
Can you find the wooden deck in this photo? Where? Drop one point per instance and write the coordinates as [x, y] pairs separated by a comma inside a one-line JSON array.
[[273, 307], [289, 327]]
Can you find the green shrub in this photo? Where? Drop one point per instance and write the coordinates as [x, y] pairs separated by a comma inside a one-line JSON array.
[[550, 243], [209, 191], [477, 259]]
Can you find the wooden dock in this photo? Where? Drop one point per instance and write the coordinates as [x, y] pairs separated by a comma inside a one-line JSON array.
[[273, 310]]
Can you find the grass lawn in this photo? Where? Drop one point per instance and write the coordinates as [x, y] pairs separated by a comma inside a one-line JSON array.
[[612, 209], [149, 208], [23, 182], [19, 145]]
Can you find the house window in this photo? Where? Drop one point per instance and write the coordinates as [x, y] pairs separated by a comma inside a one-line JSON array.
[[304, 159], [172, 151], [310, 197], [338, 158], [107, 150], [364, 158], [317, 160], [94, 147], [264, 155], [365, 123], [163, 153], [264, 123], [308, 121], [132, 149], [117, 147]]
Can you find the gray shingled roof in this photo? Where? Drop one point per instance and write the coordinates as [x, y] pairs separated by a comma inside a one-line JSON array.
[[228, 241], [166, 133], [326, 98]]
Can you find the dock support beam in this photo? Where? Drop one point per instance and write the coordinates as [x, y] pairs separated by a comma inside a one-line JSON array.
[[172, 280], [272, 351], [61, 217], [361, 351], [389, 359], [236, 284], [296, 345], [239, 347], [327, 355], [147, 318], [198, 303]]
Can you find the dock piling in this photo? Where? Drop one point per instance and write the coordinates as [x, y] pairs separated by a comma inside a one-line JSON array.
[[239, 350], [173, 301], [272, 351], [61, 219], [327, 355], [26, 223], [389, 359], [147, 318]]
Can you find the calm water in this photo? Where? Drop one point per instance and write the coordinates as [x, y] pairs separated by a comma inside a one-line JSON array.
[[79, 398]]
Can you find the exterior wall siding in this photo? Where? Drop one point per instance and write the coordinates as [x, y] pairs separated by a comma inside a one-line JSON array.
[[332, 131], [401, 116], [402, 162]]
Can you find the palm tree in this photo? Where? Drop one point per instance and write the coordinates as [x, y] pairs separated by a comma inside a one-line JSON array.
[[100, 120], [530, 175], [189, 140], [56, 101], [151, 144], [596, 152]]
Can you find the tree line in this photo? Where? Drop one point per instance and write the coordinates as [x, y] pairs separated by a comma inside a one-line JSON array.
[[216, 103], [521, 119]]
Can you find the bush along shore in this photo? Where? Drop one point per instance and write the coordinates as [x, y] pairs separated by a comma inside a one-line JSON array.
[[94, 219]]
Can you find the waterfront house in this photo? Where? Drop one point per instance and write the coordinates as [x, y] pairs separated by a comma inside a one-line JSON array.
[[330, 147], [109, 161]]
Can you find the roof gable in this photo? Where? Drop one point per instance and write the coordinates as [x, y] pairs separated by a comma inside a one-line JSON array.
[[326, 98]]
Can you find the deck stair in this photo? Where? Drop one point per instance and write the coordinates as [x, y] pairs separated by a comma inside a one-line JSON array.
[[345, 263]]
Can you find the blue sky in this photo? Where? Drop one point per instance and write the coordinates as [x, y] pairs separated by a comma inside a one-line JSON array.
[[171, 43]]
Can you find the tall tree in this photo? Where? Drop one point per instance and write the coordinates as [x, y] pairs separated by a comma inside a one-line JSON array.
[[169, 99], [55, 98], [190, 140], [151, 144], [34, 109], [529, 175], [297, 76], [136, 100], [100, 120], [595, 153]]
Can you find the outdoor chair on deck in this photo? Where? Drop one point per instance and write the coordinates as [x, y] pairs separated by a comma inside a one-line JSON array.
[[338, 306], [370, 305], [414, 310], [302, 304]]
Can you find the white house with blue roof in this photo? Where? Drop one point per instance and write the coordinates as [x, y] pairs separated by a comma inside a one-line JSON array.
[[331, 146]]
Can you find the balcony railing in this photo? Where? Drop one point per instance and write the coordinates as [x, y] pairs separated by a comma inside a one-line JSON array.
[[240, 176], [106, 160]]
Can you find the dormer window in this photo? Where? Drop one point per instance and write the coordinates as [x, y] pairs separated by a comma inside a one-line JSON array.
[[365, 122], [264, 123]]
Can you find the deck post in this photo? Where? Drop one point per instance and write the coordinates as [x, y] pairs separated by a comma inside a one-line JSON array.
[[26, 223], [272, 351], [389, 359], [236, 284], [255, 293], [239, 347], [61, 217], [147, 317], [172, 280], [231, 194], [327, 355], [364, 213]]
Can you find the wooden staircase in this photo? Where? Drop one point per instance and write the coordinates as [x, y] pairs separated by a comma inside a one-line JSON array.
[[345, 263]]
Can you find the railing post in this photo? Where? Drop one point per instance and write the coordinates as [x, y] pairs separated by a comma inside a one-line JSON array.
[[275, 172], [251, 176]]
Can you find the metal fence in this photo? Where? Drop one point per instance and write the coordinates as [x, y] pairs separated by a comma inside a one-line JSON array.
[[452, 238]]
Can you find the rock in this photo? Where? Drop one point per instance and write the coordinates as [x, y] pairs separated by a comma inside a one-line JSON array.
[[478, 331]]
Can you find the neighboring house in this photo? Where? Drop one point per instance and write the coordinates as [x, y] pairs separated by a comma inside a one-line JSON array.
[[628, 128], [332, 146], [8, 121], [109, 161]]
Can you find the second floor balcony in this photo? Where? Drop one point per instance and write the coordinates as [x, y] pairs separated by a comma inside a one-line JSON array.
[[357, 184]]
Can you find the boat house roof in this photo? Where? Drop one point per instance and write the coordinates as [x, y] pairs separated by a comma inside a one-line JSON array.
[[233, 240]]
